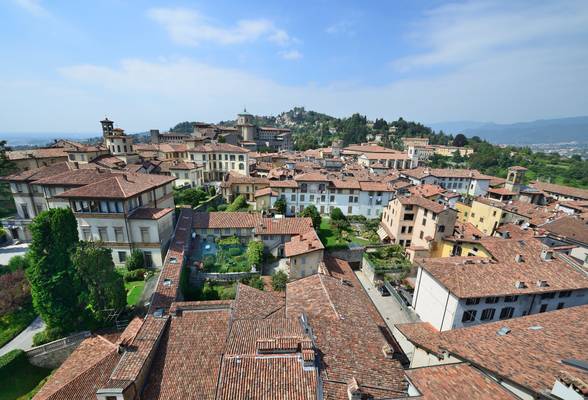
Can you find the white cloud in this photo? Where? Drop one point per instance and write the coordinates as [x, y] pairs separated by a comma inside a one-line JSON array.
[[461, 33], [33, 7], [341, 27], [290, 54], [189, 27]]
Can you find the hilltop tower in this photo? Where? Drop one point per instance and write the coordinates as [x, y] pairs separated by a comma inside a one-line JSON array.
[[107, 128], [245, 125]]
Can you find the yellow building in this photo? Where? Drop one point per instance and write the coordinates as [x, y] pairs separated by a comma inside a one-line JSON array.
[[463, 211], [486, 215]]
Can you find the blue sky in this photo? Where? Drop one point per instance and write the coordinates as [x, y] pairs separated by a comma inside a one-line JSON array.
[[150, 64]]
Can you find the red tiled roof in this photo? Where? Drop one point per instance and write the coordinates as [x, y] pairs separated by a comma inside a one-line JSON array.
[[348, 334], [456, 382], [302, 244], [420, 201], [367, 148], [480, 277], [572, 228], [118, 186], [346, 183], [284, 226], [219, 220], [51, 152], [150, 213], [283, 184], [251, 303], [560, 189], [426, 190], [312, 177], [266, 191], [218, 148]]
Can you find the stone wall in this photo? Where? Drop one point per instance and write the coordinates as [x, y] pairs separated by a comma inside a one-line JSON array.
[[53, 354]]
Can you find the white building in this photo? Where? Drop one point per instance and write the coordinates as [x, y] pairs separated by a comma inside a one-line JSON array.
[[218, 160], [463, 181], [463, 291]]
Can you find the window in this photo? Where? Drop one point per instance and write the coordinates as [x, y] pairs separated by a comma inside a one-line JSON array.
[[122, 256], [487, 314], [118, 234], [408, 217], [506, 312], [332, 199], [546, 296], [424, 221], [421, 235], [403, 229], [469, 316], [148, 259], [543, 308], [492, 300], [349, 210], [565, 293], [510, 299], [493, 213], [301, 197], [145, 235], [293, 197], [311, 197], [560, 306], [103, 233], [241, 158], [25, 211], [408, 243], [351, 199], [473, 301], [409, 229], [87, 234]]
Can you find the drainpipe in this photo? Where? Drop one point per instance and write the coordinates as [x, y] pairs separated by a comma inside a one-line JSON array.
[[444, 311]]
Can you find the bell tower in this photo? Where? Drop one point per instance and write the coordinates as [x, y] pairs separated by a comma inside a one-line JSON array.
[[107, 127], [515, 178]]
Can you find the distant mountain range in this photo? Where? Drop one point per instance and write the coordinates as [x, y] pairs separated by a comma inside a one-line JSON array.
[[560, 130]]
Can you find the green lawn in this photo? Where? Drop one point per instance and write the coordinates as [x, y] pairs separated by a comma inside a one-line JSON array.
[[134, 290], [13, 323], [331, 240], [18, 377]]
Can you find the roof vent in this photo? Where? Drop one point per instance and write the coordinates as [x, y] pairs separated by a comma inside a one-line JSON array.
[[173, 260], [546, 254], [503, 331], [158, 313], [167, 282], [519, 258], [542, 283], [520, 285], [535, 328]]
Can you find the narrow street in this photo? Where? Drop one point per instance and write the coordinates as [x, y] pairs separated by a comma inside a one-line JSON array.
[[390, 309]]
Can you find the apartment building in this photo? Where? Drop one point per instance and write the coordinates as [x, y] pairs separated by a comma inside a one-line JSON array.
[[394, 160], [533, 357], [126, 211], [25, 160], [456, 292], [462, 181], [416, 223], [238, 184], [560, 192], [352, 196], [219, 159]]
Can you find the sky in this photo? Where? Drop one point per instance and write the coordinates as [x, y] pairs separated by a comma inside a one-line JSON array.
[[150, 64]]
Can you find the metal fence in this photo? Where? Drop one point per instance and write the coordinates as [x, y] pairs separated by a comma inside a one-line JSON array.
[[58, 344]]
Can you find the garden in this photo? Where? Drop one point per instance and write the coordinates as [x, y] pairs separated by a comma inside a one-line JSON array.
[[389, 262], [232, 256], [339, 231]]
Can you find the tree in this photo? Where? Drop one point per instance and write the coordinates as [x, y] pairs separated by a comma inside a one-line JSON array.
[[337, 214], [55, 287], [6, 166], [280, 205], [103, 287], [460, 140], [255, 253], [256, 282], [192, 196], [457, 158], [135, 261], [312, 212], [279, 280], [238, 204], [14, 291]]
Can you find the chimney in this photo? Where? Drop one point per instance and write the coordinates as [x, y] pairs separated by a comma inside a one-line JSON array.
[[519, 258], [506, 235], [353, 390], [546, 254], [388, 351]]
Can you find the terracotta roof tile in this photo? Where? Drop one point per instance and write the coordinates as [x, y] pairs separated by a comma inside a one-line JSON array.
[[456, 382], [150, 213], [420, 201], [118, 186], [302, 244], [560, 189]]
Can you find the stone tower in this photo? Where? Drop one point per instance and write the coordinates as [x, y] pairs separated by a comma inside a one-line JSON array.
[[245, 125], [107, 128], [515, 178]]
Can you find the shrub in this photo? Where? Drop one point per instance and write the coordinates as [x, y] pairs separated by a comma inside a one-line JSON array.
[[45, 336], [228, 293], [280, 206], [337, 214], [222, 207], [234, 251], [208, 263], [255, 253], [17, 263], [256, 282], [10, 357], [135, 275], [279, 281], [135, 260], [239, 203]]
